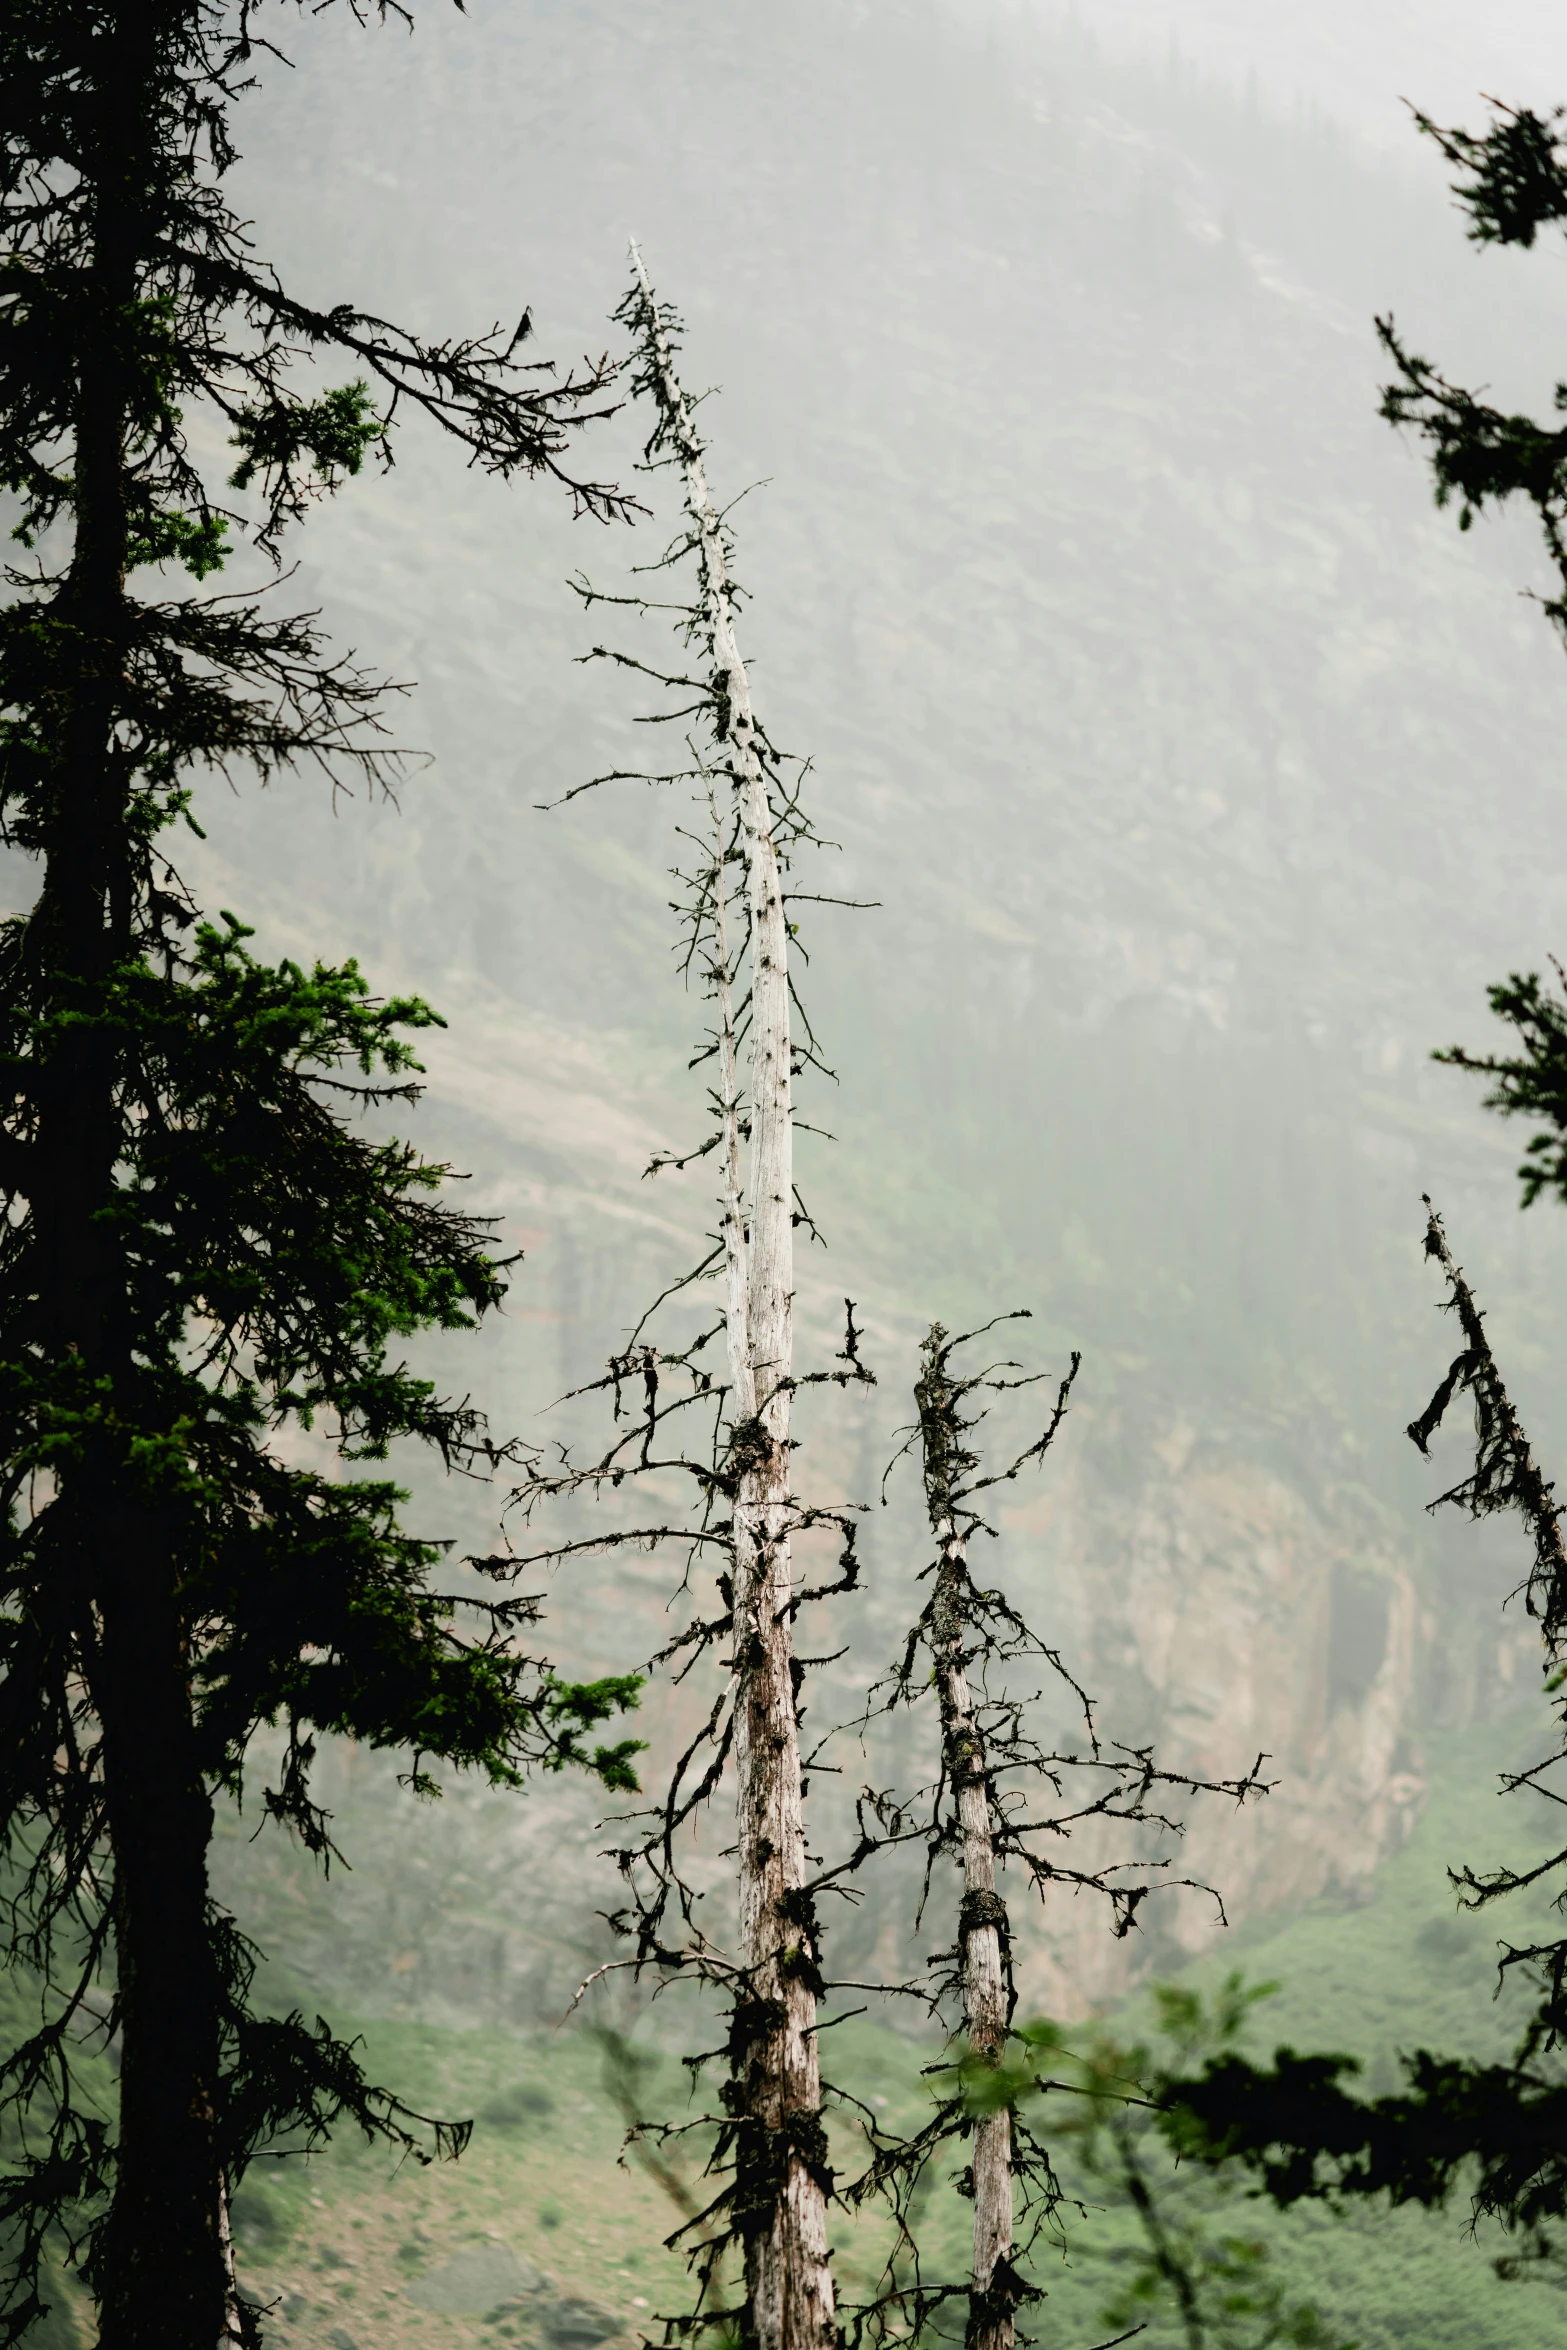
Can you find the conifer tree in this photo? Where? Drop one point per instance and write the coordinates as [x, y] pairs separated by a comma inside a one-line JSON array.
[[201, 1247], [1512, 184], [1499, 2128]]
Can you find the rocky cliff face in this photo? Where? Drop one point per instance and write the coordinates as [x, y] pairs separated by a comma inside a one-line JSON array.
[[1220, 1617], [1220, 1610]]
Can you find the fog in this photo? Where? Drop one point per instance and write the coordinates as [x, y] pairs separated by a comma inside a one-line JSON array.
[[1202, 775], [1357, 67]]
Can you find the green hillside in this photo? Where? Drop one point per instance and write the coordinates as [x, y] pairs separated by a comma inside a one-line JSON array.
[[538, 2230]]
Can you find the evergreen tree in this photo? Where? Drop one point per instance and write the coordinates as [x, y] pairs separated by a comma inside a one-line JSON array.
[[201, 1248], [1499, 2128], [1513, 183]]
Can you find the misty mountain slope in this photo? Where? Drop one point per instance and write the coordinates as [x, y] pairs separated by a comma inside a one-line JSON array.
[[1139, 676], [1203, 775], [1355, 64]]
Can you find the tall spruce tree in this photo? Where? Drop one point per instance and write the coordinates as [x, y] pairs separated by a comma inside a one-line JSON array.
[[200, 1246]]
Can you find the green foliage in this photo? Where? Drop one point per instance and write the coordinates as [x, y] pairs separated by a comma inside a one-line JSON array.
[[1189, 2264], [1480, 455], [1518, 183], [1531, 1083], [210, 1263], [198, 542], [322, 440]]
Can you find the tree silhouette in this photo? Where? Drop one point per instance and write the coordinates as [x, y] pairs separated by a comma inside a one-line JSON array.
[[202, 1247], [1514, 184]]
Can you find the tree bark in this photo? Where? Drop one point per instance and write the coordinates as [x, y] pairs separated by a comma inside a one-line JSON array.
[[782, 2175], [161, 2281], [164, 2277], [981, 1926]]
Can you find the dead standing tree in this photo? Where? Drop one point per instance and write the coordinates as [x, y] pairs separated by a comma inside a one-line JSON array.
[[983, 1927], [982, 1813], [1506, 1477], [772, 2142], [788, 2280], [771, 2151]]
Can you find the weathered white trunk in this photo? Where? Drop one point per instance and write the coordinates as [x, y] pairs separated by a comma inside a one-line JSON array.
[[233, 2334], [782, 2175], [991, 2325], [737, 1318]]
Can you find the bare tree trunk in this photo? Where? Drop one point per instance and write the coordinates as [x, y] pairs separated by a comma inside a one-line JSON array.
[[981, 1925], [233, 2337], [782, 2176], [982, 1917], [737, 1313]]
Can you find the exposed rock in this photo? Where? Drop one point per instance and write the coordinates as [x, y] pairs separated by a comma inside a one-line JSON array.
[[577, 2325], [516, 2107], [1217, 1617], [474, 2280]]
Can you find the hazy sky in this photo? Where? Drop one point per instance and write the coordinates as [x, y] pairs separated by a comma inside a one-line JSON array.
[[1357, 58]]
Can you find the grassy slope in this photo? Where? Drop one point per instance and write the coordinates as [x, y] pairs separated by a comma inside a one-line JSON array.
[[1408, 1970], [341, 2242]]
